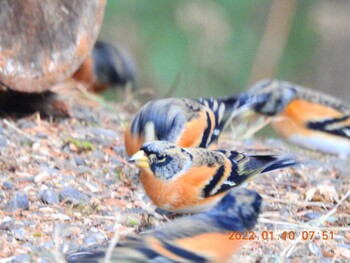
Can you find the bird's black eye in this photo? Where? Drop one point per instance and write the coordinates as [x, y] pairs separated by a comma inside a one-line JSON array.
[[161, 159]]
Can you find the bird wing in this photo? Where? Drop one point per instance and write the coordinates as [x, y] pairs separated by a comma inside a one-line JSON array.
[[223, 110], [319, 117], [240, 167], [321, 99], [336, 126]]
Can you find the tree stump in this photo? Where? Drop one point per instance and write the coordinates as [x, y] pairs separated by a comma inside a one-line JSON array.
[[43, 42]]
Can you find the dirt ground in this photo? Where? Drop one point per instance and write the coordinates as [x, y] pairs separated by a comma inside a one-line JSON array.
[[65, 184]]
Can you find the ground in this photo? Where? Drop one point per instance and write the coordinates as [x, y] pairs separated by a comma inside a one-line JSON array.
[[65, 184]]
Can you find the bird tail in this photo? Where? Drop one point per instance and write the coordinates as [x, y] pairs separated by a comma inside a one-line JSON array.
[[254, 165], [246, 167], [278, 162]]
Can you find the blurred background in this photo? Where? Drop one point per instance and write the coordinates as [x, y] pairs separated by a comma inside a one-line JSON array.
[[206, 48]]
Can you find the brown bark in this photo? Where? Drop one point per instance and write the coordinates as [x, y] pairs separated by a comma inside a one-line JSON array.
[[43, 42]]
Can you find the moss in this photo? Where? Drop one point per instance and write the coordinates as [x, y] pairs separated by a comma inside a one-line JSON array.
[[81, 145], [133, 222], [86, 209], [37, 234]]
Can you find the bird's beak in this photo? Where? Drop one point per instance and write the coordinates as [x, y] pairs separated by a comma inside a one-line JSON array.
[[139, 159]]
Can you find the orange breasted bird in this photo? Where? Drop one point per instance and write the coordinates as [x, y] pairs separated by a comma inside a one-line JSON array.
[[307, 118], [202, 237], [106, 66], [184, 122], [190, 180]]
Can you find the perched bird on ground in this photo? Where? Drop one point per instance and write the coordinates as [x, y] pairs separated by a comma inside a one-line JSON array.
[[190, 180], [184, 122], [307, 118], [202, 237], [107, 66]]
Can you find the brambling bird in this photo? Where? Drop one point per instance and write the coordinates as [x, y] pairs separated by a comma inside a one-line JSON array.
[[184, 122], [190, 180], [304, 117], [107, 66], [202, 237]]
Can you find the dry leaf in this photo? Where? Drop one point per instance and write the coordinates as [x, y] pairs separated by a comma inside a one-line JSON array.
[[322, 193]]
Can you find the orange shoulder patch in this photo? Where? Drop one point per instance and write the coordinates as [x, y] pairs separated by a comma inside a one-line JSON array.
[[132, 143], [293, 120], [192, 134], [305, 111]]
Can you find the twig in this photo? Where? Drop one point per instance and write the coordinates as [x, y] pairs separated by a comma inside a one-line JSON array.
[[111, 246], [136, 94], [13, 127], [317, 222], [298, 203], [57, 239], [104, 217], [259, 125], [301, 226], [123, 161], [94, 98], [330, 213]]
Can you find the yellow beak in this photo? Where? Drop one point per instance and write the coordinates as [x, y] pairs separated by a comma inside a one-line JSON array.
[[139, 159]]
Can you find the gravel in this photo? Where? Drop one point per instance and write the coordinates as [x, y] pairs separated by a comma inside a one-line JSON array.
[[65, 184], [72, 195], [49, 196], [19, 201], [7, 185]]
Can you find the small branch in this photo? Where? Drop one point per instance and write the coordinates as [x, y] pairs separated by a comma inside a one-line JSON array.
[[19, 131]]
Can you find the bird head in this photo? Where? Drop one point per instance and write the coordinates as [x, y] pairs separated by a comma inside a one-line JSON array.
[[268, 97], [164, 159], [114, 65]]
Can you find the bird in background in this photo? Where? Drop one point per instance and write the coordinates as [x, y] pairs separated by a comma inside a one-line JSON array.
[[307, 118], [107, 66], [190, 180], [202, 237], [184, 122]]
